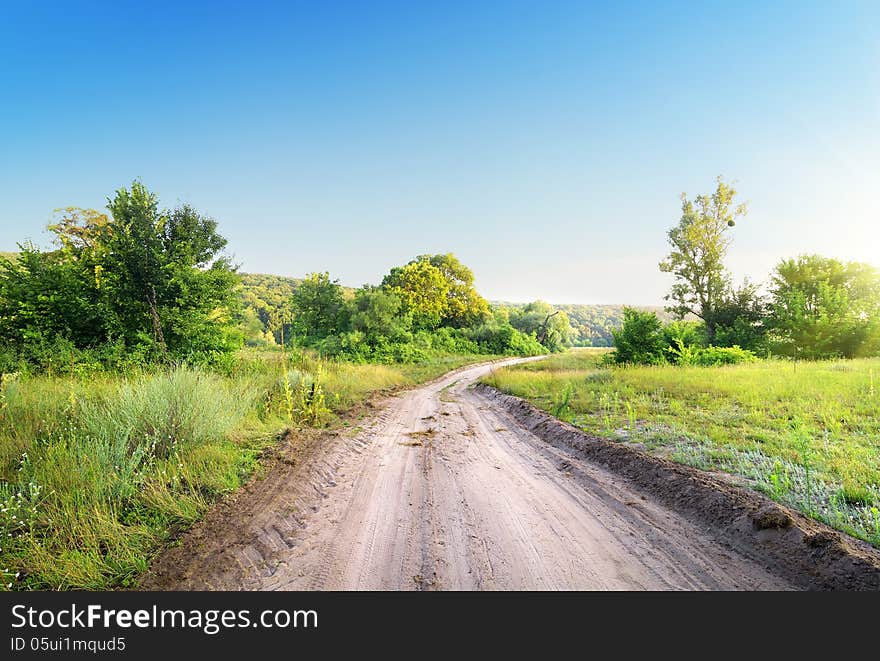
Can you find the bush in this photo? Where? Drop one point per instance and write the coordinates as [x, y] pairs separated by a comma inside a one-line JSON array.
[[491, 338], [157, 413], [640, 340], [504, 339], [710, 356], [684, 333]]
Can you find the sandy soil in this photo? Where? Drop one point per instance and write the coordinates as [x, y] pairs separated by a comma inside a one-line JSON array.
[[443, 488]]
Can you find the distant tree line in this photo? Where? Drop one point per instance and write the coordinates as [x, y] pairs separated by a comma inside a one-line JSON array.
[[594, 325], [428, 305], [813, 307]]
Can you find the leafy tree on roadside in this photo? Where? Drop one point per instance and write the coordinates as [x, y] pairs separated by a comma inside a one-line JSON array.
[[168, 276], [424, 291], [699, 244], [465, 306], [149, 281], [822, 307], [439, 291], [318, 308]]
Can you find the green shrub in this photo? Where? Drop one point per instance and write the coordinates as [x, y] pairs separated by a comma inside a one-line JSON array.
[[713, 356], [640, 341], [158, 413]]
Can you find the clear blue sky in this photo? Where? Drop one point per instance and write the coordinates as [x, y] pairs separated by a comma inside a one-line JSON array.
[[545, 144]]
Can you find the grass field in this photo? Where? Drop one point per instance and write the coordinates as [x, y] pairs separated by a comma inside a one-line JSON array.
[[806, 434], [99, 471]]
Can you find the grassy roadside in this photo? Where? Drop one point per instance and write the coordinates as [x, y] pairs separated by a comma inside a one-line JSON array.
[[807, 435], [98, 471]]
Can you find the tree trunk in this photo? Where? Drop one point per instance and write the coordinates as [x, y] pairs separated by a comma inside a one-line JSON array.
[[543, 328], [158, 335]]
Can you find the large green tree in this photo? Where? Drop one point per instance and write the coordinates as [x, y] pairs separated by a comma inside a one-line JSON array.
[[423, 289], [464, 306], [439, 291], [318, 308], [699, 244], [168, 274], [822, 307], [141, 278]]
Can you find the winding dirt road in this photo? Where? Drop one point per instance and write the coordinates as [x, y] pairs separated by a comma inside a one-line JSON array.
[[442, 490]]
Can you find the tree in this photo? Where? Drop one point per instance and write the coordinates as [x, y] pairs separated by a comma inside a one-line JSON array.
[[640, 340], [740, 318], [135, 260], [150, 281], [379, 315], [168, 276], [699, 244], [44, 297], [439, 291], [424, 291], [541, 320], [465, 306], [318, 308], [822, 307]]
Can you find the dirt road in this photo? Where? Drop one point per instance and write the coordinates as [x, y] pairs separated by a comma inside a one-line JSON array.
[[441, 490]]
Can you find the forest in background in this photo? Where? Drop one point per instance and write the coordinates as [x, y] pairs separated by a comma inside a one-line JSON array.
[[265, 299]]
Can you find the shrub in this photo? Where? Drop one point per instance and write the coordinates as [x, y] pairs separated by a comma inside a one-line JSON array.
[[100, 469], [504, 339], [157, 413], [640, 340], [710, 356]]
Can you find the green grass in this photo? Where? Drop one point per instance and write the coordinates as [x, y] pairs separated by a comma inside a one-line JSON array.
[[807, 434], [98, 472]]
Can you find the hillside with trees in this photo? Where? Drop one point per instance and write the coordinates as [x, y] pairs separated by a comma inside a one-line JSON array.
[[593, 325]]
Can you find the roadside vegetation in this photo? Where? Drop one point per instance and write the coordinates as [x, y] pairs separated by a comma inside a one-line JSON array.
[[141, 377], [778, 385], [99, 471]]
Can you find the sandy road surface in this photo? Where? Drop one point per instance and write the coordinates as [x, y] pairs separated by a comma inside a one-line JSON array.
[[441, 490]]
